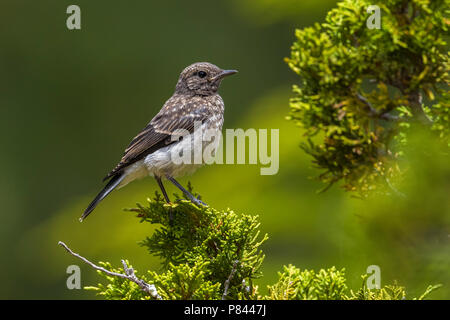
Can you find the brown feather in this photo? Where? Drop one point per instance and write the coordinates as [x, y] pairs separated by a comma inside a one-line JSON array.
[[176, 115]]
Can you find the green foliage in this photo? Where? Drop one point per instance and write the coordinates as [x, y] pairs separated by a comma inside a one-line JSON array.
[[118, 288], [294, 284], [212, 254], [201, 249], [186, 283], [330, 284], [389, 292], [361, 89], [181, 282]]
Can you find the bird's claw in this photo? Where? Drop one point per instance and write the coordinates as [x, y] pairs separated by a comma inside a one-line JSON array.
[[199, 202]]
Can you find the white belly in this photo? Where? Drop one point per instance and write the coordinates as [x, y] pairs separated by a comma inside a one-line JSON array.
[[160, 162]]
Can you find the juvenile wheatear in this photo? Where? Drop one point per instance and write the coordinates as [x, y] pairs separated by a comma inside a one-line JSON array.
[[194, 102]]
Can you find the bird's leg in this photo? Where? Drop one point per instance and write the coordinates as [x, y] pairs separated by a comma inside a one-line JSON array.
[[187, 193], [161, 186]]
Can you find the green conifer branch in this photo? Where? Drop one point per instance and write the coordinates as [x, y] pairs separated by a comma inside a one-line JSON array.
[[216, 254], [360, 90]]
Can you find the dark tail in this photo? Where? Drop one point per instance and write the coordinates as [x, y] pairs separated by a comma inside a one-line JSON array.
[[114, 182]]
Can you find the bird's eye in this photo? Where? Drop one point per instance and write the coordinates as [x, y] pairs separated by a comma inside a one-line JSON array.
[[202, 74]]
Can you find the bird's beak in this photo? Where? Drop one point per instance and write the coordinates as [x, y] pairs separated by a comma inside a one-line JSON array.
[[223, 74]]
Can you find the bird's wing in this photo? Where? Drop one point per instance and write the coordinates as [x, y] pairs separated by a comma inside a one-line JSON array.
[[172, 120]]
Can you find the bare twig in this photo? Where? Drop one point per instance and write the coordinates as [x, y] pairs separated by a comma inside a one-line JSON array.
[[372, 110], [373, 113], [230, 277], [129, 273]]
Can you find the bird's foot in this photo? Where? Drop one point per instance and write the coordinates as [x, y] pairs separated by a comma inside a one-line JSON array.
[[198, 202]]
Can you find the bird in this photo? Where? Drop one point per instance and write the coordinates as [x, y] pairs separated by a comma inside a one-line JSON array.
[[195, 105]]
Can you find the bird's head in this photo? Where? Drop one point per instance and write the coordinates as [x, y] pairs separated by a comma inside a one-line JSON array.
[[201, 78]]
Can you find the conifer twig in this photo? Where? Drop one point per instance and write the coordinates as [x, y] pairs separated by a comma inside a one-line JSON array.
[[129, 273], [227, 282]]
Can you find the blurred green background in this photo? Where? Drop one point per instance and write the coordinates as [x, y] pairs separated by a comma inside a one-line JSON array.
[[72, 100]]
